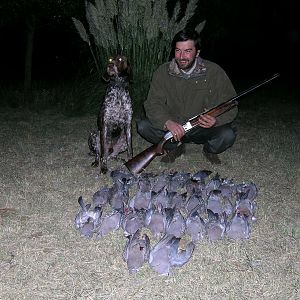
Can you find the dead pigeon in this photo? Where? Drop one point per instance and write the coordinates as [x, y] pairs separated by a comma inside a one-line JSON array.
[[180, 257], [238, 227], [119, 194], [228, 207], [159, 258], [119, 175], [215, 226], [161, 198], [156, 221], [165, 255], [213, 184], [195, 226], [195, 200], [177, 181], [249, 188], [87, 230], [177, 200], [109, 223], [141, 200], [159, 182], [246, 207], [176, 225], [192, 186], [132, 221], [137, 251], [90, 226], [83, 214], [214, 202], [86, 214], [200, 176], [100, 198], [197, 182], [144, 183], [228, 189]]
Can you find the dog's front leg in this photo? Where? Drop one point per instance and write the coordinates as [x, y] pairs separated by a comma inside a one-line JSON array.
[[97, 150], [129, 140], [104, 150]]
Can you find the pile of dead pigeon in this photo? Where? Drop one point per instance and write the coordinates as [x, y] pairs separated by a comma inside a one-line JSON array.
[[170, 207]]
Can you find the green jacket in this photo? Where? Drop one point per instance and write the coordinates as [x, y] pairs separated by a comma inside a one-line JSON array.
[[176, 96]]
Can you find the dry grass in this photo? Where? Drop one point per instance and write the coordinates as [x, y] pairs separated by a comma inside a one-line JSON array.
[[45, 168]]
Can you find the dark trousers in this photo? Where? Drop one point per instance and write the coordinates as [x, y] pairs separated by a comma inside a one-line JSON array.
[[214, 140]]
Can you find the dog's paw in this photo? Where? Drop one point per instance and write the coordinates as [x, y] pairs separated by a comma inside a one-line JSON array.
[[104, 169], [95, 164]]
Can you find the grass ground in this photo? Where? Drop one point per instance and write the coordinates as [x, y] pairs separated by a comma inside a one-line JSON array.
[[45, 168]]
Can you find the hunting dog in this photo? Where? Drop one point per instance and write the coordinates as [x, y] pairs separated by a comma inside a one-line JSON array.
[[115, 116]]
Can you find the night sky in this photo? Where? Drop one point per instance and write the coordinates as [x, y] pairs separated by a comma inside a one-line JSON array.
[[257, 39]]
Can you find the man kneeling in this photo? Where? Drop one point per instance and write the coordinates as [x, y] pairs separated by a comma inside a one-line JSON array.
[[181, 89]]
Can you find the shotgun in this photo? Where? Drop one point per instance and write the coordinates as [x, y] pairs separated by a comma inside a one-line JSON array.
[[138, 163]]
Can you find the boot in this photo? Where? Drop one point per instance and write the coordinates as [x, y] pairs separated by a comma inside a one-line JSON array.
[[212, 157]]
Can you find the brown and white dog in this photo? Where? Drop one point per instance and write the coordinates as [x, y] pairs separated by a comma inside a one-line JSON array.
[[115, 116]]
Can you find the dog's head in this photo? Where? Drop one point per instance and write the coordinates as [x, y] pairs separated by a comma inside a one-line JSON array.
[[117, 66]]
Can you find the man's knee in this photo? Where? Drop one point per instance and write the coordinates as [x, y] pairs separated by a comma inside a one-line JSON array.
[[225, 139], [229, 135], [148, 132], [142, 126]]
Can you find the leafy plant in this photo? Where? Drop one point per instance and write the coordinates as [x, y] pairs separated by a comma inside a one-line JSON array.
[[141, 30]]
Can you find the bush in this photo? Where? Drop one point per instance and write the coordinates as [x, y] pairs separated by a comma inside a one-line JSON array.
[[141, 30]]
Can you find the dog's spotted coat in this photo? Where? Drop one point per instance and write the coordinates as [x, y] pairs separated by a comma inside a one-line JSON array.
[[115, 116]]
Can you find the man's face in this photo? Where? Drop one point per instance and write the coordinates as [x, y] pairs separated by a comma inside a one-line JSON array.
[[185, 54]]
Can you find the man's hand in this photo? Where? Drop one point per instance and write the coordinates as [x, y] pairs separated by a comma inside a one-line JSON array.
[[176, 129], [206, 121]]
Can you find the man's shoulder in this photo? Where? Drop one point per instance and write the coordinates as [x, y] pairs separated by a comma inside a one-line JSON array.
[[161, 72], [212, 66], [163, 67]]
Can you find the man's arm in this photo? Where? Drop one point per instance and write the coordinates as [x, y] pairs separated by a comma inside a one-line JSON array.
[[221, 90], [155, 104]]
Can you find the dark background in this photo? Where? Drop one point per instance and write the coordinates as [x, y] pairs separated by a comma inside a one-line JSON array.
[[247, 38]]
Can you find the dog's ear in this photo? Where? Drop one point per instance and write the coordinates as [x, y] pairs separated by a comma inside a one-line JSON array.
[[127, 69], [105, 76], [129, 72]]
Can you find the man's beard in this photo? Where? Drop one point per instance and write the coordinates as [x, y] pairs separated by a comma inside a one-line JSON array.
[[185, 64]]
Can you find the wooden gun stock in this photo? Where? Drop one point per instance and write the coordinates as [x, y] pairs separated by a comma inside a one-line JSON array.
[[138, 163]]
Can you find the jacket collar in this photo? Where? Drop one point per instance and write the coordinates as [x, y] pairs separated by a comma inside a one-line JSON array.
[[200, 69]]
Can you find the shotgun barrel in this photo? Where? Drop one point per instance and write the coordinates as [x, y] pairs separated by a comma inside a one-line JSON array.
[[138, 163]]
